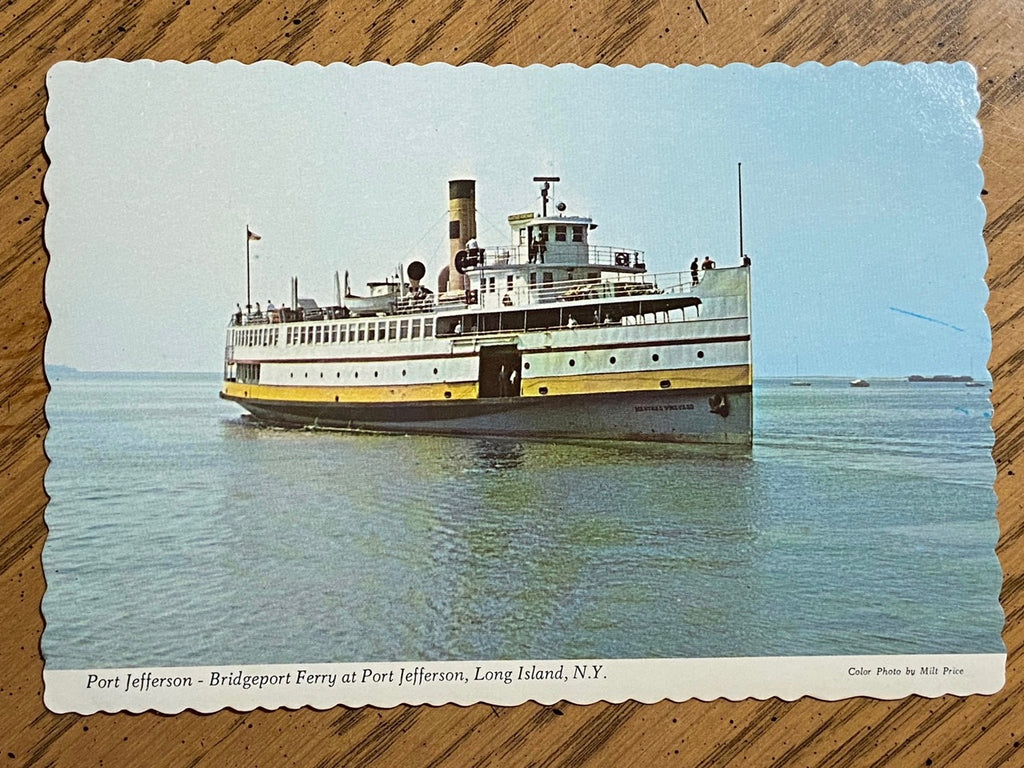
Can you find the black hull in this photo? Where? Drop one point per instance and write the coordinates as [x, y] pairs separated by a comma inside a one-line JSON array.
[[718, 416]]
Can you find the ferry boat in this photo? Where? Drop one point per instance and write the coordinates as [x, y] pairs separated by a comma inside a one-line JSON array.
[[550, 336]]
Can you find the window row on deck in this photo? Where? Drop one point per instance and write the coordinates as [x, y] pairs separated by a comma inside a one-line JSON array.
[[334, 333], [641, 310], [266, 336]]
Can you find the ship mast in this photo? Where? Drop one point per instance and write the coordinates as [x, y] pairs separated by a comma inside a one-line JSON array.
[[548, 181], [739, 180]]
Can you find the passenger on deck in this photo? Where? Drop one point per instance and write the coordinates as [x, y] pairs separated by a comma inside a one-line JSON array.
[[507, 299], [693, 272], [707, 263], [537, 247], [746, 260], [572, 322], [458, 328]]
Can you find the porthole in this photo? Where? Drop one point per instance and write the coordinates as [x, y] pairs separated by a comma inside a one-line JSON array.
[[665, 384], [403, 373], [655, 357], [375, 374], [447, 395], [435, 371], [291, 375], [321, 374], [339, 374], [335, 398], [526, 366], [700, 353], [572, 363], [612, 359], [542, 390], [357, 374], [305, 375]]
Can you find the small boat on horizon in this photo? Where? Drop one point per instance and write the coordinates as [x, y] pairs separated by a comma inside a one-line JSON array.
[[799, 383], [940, 379], [859, 383]]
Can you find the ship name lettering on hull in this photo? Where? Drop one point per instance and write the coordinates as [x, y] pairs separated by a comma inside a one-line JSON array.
[[675, 407]]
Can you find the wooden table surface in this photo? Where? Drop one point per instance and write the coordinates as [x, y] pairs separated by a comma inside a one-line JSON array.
[[976, 731]]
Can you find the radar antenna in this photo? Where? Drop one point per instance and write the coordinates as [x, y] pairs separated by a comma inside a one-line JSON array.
[[545, 190]]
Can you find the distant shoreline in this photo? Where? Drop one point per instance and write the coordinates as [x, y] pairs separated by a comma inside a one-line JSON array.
[[65, 371], [58, 371]]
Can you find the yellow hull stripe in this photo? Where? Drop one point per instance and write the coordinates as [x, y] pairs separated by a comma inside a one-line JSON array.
[[401, 393], [685, 378]]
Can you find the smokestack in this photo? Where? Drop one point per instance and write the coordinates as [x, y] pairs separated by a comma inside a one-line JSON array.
[[461, 226]]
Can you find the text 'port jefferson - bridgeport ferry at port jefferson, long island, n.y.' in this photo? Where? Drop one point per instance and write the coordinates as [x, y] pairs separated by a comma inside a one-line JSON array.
[[548, 337]]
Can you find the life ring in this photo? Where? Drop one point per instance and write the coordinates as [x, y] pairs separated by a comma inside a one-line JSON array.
[[465, 261], [621, 259], [719, 404]]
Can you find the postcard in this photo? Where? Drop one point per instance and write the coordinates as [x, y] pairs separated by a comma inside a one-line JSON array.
[[430, 384]]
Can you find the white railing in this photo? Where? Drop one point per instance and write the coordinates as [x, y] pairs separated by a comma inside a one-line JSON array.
[[562, 254], [595, 289], [622, 285]]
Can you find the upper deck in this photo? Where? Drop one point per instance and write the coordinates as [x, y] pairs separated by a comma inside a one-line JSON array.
[[720, 293], [549, 261]]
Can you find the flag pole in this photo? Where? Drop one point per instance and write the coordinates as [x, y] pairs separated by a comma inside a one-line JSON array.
[[248, 280]]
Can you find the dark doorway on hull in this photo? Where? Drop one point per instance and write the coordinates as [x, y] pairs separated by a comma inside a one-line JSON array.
[[500, 371]]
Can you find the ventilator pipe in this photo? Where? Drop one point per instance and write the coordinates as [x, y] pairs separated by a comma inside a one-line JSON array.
[[415, 271]]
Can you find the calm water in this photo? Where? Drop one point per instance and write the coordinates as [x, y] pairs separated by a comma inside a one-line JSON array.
[[862, 522]]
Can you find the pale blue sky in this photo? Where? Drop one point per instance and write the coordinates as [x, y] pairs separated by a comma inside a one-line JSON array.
[[861, 194]]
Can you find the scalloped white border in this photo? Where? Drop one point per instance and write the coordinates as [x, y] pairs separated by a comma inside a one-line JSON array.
[[171, 690], [246, 687]]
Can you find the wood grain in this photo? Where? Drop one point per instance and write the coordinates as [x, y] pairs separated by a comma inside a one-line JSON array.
[[977, 731]]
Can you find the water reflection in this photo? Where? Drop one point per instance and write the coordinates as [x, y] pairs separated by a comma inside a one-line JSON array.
[[495, 548], [434, 547], [203, 539], [496, 455]]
